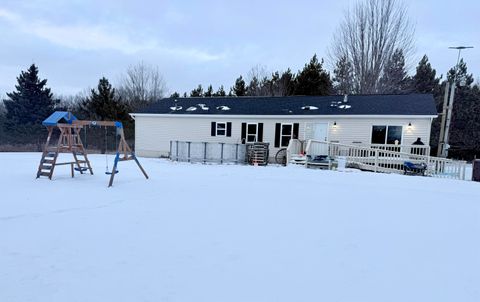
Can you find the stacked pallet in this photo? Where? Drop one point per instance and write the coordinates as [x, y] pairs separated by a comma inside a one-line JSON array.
[[257, 154]]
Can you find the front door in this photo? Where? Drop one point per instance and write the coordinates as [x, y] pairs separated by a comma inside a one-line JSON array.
[[319, 133]]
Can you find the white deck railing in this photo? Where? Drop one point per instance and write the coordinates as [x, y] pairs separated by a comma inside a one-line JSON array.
[[382, 158], [295, 146]]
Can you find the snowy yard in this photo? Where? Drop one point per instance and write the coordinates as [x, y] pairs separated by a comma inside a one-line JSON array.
[[235, 233]]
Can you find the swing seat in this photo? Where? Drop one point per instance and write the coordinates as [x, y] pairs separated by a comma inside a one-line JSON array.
[[81, 169], [110, 173]]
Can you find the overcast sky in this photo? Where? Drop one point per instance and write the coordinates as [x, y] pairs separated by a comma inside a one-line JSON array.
[[76, 42]]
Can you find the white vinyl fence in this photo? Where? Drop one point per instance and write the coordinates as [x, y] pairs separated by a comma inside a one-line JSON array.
[[203, 152]]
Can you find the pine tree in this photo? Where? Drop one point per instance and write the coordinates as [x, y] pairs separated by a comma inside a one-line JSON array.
[[175, 95], [424, 80], [465, 118], [394, 79], [313, 79], [104, 104], [220, 91], [240, 88], [287, 83], [343, 77], [197, 92], [31, 103], [253, 88], [209, 92]]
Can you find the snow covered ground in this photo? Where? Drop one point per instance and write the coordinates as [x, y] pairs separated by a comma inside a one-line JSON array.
[[235, 233]]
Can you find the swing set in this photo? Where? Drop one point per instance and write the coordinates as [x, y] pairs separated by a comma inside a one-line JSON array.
[[70, 141]]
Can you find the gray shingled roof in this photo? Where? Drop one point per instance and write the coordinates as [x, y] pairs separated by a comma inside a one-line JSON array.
[[380, 104]]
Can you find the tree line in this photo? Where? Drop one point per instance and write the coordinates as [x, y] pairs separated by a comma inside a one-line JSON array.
[[369, 54]]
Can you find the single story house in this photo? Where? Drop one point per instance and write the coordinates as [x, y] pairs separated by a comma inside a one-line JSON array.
[[349, 119]]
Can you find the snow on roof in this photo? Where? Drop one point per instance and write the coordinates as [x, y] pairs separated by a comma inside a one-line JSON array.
[[176, 108], [381, 104], [309, 108]]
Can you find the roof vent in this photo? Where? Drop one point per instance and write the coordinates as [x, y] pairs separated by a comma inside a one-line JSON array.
[[191, 108], [309, 108], [223, 108], [345, 98], [176, 108]]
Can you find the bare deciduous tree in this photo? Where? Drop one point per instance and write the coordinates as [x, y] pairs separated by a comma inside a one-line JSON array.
[[368, 37], [141, 85]]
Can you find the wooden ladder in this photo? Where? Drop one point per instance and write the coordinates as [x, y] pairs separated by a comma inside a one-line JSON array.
[[47, 163]]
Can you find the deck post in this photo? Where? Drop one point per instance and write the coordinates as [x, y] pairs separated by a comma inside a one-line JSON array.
[[376, 159], [188, 152], [204, 152], [176, 155], [221, 153]]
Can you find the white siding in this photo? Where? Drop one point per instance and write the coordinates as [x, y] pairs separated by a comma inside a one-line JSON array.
[[154, 133]]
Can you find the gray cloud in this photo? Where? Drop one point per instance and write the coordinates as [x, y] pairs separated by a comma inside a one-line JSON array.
[[75, 42]]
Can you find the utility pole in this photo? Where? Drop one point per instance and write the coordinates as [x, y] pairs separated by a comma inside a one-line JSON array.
[[445, 127]]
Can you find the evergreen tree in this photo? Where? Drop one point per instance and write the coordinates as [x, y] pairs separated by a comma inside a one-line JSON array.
[[465, 122], [31, 103], [104, 104], [313, 79], [394, 79], [220, 91], [175, 95], [287, 83], [343, 77], [253, 88], [209, 91], [424, 80], [184, 94], [197, 92], [240, 88]]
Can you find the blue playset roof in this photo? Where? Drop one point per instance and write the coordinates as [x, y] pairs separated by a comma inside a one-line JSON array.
[[58, 116]]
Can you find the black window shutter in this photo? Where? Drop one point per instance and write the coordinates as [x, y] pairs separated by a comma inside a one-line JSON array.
[[277, 135], [260, 132], [229, 129], [244, 132], [295, 130], [213, 131]]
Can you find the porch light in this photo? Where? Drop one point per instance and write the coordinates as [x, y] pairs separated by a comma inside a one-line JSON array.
[[409, 126], [335, 124]]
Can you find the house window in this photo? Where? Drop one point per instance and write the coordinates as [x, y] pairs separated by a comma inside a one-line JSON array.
[[286, 134], [386, 135], [252, 133], [221, 129]]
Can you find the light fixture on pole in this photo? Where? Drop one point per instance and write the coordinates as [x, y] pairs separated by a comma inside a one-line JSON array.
[[448, 107]]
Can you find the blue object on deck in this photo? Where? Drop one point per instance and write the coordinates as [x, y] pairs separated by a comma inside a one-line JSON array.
[[59, 116], [412, 168]]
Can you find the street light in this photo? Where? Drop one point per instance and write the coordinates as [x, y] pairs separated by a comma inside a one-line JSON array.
[[448, 107]]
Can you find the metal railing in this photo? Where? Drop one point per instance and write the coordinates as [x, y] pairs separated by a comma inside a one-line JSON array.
[[204, 152], [377, 159]]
